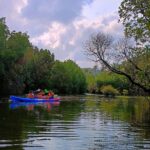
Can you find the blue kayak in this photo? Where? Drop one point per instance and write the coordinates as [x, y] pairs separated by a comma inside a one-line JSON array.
[[25, 99]]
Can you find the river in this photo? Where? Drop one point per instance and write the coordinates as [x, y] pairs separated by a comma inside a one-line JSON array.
[[88, 122]]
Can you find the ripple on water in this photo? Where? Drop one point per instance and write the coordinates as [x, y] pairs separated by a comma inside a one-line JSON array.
[[72, 126]]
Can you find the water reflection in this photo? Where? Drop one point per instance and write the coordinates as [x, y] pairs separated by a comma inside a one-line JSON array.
[[79, 123], [133, 110], [30, 106]]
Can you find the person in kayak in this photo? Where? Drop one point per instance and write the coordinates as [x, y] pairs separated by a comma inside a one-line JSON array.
[[51, 94], [30, 94], [41, 94]]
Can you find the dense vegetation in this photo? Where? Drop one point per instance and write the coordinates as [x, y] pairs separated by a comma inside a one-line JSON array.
[[129, 56], [135, 16], [106, 82], [97, 80], [24, 67], [67, 78], [126, 66]]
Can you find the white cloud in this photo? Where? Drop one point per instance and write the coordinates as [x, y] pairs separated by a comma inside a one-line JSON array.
[[52, 37], [100, 8], [11, 9], [67, 41], [20, 5], [62, 25]]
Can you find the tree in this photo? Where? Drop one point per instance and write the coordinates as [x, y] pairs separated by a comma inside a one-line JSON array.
[[67, 78], [109, 90], [78, 80], [121, 58], [4, 33], [18, 43], [60, 80], [37, 68], [91, 82], [22, 66], [108, 78], [135, 16]]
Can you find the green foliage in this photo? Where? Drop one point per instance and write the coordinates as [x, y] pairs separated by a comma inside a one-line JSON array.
[[91, 82], [109, 78], [140, 67], [13, 45], [67, 78], [122, 58], [59, 78], [109, 90], [37, 69], [135, 15], [78, 80], [103, 78], [4, 33], [125, 92], [24, 67], [18, 43]]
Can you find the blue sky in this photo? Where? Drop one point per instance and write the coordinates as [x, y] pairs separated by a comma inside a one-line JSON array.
[[62, 25]]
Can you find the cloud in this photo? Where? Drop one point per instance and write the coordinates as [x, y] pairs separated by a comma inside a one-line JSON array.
[[11, 9], [52, 37], [100, 8], [35, 16], [62, 25], [63, 11], [67, 41]]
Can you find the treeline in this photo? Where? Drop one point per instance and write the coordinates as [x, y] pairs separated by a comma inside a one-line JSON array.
[[128, 56], [109, 83], [24, 67]]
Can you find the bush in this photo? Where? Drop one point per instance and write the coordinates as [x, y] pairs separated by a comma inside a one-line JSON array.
[[109, 90], [125, 92], [67, 78]]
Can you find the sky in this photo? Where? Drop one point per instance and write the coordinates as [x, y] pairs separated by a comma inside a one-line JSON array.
[[63, 26]]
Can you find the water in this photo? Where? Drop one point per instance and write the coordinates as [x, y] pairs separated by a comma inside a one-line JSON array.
[[76, 123]]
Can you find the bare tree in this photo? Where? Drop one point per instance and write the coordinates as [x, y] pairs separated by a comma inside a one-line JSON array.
[[121, 57]]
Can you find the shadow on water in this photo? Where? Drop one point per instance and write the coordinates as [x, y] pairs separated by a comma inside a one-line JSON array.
[[78, 123]]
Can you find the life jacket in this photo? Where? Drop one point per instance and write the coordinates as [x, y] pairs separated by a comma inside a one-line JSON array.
[[50, 94], [30, 95]]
